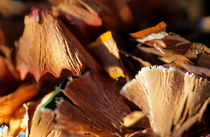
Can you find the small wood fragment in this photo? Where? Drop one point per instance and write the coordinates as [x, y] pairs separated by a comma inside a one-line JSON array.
[[10, 103], [106, 51], [200, 71], [143, 33], [204, 59], [44, 125], [176, 57], [133, 118], [190, 51], [170, 40], [19, 122]]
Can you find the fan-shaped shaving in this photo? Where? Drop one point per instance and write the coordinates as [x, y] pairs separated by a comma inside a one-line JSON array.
[[173, 100]]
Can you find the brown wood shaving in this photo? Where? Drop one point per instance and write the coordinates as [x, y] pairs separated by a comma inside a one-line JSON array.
[[97, 96], [173, 100], [10, 103], [47, 46], [106, 51]]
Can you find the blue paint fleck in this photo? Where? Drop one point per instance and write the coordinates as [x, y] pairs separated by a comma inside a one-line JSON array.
[[21, 135]]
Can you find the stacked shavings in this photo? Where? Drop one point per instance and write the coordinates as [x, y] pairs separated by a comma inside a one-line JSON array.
[[105, 86]]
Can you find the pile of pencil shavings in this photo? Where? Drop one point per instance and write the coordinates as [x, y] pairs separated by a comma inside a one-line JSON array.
[[72, 73]]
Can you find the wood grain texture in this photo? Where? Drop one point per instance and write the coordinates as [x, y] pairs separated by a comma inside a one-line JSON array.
[[47, 46], [173, 100], [107, 53], [97, 96]]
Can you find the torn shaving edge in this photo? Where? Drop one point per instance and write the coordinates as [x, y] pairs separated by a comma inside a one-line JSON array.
[[156, 67], [180, 127]]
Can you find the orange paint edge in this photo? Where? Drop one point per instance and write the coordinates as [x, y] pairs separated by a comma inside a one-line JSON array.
[[140, 34]]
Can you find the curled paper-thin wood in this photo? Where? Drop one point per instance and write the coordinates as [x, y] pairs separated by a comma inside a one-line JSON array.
[[191, 51], [167, 41], [158, 37], [73, 120], [186, 67], [47, 46], [175, 57], [80, 11], [10, 103], [97, 96], [172, 100]]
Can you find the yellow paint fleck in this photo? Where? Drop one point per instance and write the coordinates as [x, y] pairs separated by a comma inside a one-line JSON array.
[[103, 38]]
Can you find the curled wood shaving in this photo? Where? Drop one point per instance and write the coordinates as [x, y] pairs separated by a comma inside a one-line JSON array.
[[73, 120], [57, 50], [172, 100], [96, 95], [10, 103]]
